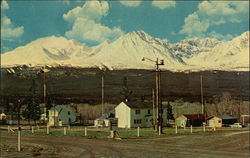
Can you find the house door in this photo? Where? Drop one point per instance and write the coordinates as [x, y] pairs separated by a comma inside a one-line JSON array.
[[69, 120]]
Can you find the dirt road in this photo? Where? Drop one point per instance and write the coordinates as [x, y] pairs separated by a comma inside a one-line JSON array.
[[224, 144]]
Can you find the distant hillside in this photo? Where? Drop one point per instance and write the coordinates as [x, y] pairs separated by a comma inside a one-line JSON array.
[[84, 85]]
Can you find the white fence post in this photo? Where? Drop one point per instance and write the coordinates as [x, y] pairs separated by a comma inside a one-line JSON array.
[[191, 129], [64, 131], [8, 129], [159, 130], [85, 133], [47, 129], [176, 129], [138, 131], [32, 129], [19, 140], [204, 127]]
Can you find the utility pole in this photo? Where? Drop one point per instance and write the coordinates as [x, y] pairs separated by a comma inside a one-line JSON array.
[[202, 106], [102, 92], [159, 109], [153, 101]]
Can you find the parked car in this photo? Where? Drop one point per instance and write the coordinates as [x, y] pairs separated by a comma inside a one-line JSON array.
[[236, 125]]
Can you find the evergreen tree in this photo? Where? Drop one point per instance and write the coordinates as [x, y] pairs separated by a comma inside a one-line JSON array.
[[125, 92], [170, 115], [32, 111]]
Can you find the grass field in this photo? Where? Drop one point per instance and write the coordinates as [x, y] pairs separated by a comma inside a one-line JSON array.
[[104, 132]]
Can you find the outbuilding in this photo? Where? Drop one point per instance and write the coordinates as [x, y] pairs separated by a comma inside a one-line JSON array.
[[105, 119], [187, 120], [214, 121], [228, 120]]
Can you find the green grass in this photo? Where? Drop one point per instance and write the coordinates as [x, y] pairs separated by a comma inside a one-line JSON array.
[[104, 133]]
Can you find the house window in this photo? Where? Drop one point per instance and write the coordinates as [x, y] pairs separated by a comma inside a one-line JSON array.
[[137, 121], [219, 121], [137, 111], [148, 111], [68, 112]]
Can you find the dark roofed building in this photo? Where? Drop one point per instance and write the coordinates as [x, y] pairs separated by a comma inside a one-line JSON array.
[[228, 120], [187, 120]]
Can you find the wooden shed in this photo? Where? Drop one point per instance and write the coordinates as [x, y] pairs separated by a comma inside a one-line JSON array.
[[214, 121]]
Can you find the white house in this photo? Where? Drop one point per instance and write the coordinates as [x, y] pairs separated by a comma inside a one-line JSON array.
[[61, 115], [131, 114]]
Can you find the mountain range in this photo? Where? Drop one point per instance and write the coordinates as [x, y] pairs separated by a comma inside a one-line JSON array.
[[127, 52]]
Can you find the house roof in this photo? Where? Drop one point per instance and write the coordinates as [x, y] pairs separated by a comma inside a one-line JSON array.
[[59, 107], [227, 117], [211, 117], [194, 116], [139, 105], [109, 114]]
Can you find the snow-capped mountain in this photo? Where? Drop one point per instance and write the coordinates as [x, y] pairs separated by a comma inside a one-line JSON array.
[[127, 53]]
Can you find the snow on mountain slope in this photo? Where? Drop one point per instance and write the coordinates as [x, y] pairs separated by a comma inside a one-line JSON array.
[[45, 51], [229, 55], [127, 53]]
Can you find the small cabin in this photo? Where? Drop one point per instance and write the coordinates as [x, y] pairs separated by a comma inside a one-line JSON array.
[[214, 121]]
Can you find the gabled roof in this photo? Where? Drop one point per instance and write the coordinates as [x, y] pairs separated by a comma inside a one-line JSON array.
[[211, 117], [59, 107], [194, 116], [227, 117], [109, 114], [139, 105]]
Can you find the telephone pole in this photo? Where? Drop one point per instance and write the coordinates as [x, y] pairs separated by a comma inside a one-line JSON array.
[[158, 102], [102, 93], [202, 105], [153, 101]]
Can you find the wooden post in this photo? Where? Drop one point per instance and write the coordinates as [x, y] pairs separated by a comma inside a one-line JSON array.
[[191, 129], [8, 129], [153, 101], [85, 133], [19, 140], [159, 130], [176, 129], [102, 94], [214, 128], [32, 129], [138, 131], [47, 129], [204, 127], [64, 131]]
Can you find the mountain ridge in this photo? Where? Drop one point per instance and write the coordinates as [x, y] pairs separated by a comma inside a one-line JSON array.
[[127, 51]]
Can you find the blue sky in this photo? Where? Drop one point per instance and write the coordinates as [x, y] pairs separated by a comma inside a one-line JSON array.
[[93, 22]]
